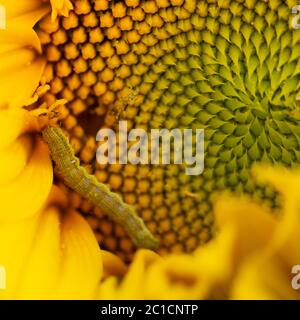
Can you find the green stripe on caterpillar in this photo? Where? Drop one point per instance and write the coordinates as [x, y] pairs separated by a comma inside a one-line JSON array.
[[67, 166]]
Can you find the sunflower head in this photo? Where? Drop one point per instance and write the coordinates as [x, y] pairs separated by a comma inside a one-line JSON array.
[[229, 67]]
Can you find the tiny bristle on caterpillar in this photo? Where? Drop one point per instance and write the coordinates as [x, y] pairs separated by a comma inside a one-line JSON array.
[[67, 166]]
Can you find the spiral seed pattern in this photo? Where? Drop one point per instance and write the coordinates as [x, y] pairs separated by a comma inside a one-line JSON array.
[[230, 67]]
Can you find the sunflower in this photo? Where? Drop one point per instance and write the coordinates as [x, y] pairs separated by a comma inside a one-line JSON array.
[[229, 67], [252, 256]]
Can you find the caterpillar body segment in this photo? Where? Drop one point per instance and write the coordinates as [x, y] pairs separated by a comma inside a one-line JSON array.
[[67, 166]]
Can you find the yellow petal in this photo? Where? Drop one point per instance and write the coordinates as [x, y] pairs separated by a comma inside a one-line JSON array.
[[81, 263], [14, 158], [263, 279], [287, 235], [21, 63], [202, 275], [15, 8], [14, 123], [134, 280], [51, 256], [217, 262], [248, 219], [40, 272], [284, 180], [15, 243], [108, 290], [176, 277], [18, 86], [112, 265], [132, 286], [25, 195]]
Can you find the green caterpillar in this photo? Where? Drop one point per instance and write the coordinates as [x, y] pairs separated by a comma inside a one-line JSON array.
[[67, 166]]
